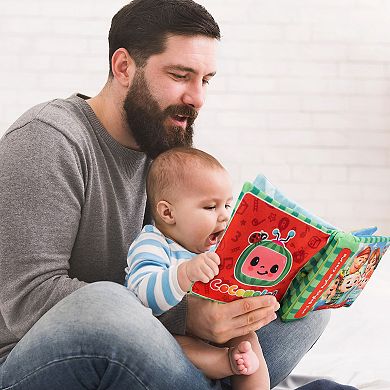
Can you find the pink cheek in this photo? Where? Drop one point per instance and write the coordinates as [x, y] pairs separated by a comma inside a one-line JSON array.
[[250, 268]]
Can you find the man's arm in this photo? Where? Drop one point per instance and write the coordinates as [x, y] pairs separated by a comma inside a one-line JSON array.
[[41, 195]]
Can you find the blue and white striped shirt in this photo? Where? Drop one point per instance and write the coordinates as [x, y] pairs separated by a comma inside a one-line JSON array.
[[152, 262]]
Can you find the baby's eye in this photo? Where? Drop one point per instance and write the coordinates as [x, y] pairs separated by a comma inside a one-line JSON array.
[[210, 207], [227, 206]]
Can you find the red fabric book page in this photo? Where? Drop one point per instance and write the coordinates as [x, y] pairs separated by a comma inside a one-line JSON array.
[[261, 252]]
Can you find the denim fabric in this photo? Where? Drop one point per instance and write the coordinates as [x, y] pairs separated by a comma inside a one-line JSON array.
[[99, 337], [285, 343], [324, 384], [102, 337]]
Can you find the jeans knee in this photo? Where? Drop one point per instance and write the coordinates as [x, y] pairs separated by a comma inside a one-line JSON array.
[[102, 316], [318, 321]]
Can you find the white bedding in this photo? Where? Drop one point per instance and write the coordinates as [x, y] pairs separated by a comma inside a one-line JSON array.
[[355, 347]]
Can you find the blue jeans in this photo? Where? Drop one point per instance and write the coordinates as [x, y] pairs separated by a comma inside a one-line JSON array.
[[102, 337], [324, 384], [284, 344]]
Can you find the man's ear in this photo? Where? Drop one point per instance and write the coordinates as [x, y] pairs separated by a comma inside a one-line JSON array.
[[123, 67], [165, 212]]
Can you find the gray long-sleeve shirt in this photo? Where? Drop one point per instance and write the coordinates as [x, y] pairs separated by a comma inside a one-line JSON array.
[[72, 200]]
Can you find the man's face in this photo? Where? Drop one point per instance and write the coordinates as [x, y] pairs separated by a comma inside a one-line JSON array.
[[166, 95], [146, 120]]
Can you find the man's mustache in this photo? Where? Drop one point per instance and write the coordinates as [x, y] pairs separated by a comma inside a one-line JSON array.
[[181, 110]]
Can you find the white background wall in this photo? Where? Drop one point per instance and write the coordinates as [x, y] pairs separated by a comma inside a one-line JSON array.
[[302, 92]]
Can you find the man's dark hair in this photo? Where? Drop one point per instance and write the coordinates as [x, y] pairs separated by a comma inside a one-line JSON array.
[[142, 26]]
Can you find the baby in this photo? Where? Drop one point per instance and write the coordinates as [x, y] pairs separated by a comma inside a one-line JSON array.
[[190, 194]]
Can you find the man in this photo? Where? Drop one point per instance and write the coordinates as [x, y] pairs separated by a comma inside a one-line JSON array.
[[72, 199]]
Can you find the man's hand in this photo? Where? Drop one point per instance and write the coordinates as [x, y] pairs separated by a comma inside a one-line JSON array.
[[202, 267], [221, 322]]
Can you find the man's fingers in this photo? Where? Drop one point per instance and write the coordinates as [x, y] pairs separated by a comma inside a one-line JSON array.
[[250, 304], [251, 324], [214, 322], [254, 326], [261, 316]]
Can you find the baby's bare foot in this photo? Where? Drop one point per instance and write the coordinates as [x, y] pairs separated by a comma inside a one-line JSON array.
[[243, 359]]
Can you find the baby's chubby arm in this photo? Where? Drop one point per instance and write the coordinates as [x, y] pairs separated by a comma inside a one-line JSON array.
[[202, 267]]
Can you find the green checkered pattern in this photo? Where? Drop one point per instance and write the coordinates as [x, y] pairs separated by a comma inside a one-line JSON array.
[[315, 269], [311, 275], [249, 187]]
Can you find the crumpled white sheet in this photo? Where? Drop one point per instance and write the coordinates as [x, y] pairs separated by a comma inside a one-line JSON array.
[[295, 380]]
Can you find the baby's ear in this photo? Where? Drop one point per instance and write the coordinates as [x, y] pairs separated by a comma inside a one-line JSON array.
[[164, 210]]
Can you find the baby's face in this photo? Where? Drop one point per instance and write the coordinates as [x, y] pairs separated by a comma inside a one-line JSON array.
[[202, 209]]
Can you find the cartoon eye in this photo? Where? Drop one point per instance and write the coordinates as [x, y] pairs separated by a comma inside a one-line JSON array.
[[274, 269], [255, 261]]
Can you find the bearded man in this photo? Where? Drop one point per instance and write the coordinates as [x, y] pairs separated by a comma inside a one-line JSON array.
[[72, 200]]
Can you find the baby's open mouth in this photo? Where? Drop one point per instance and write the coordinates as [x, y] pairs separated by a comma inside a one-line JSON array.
[[214, 238]]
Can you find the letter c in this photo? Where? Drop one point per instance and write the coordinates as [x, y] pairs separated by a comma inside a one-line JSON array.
[[232, 289], [214, 284]]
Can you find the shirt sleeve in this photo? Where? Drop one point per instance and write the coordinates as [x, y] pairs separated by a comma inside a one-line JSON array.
[[41, 195], [151, 274]]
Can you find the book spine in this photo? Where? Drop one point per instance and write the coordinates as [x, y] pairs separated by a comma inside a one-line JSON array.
[[308, 304], [308, 286]]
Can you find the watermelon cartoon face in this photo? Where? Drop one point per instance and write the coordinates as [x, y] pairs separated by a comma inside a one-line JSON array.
[[264, 263]]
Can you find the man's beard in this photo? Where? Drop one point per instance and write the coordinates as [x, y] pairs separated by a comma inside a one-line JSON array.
[[146, 120]]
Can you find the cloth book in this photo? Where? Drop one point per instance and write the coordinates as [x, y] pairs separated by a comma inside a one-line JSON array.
[[274, 246]]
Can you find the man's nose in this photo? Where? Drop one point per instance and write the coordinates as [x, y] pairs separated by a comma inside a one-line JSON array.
[[194, 95]]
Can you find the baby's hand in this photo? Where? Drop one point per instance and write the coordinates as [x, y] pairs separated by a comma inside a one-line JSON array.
[[202, 267]]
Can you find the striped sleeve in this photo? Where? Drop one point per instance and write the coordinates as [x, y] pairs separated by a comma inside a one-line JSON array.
[[150, 273]]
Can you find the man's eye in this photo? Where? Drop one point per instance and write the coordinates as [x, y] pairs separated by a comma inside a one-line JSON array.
[[205, 81], [178, 76]]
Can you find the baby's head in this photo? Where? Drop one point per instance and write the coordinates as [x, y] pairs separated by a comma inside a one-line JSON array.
[[190, 195]]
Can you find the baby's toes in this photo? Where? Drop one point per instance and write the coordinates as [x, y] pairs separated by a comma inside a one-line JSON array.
[[240, 362]]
